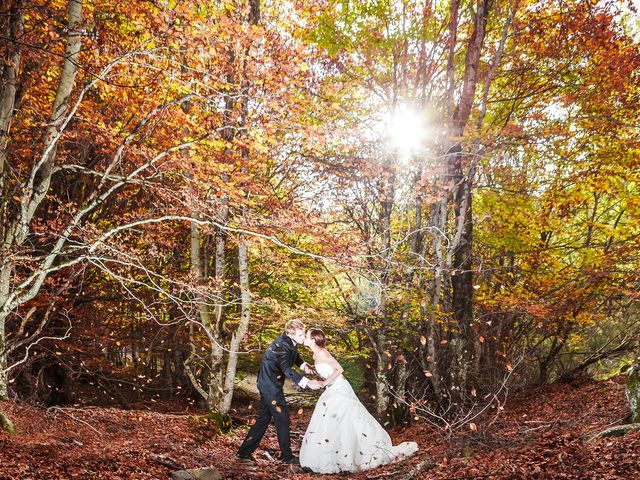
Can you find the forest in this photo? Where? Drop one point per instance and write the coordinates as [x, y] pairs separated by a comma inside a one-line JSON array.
[[449, 189]]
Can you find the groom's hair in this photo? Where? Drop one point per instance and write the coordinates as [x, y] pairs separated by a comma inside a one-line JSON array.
[[293, 326], [317, 336]]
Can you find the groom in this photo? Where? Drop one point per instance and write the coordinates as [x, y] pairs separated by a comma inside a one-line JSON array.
[[277, 363]]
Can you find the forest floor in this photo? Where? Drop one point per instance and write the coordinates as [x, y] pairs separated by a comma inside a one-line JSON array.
[[542, 433]]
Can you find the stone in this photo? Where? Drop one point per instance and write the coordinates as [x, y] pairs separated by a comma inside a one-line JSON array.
[[208, 473], [181, 475], [633, 391]]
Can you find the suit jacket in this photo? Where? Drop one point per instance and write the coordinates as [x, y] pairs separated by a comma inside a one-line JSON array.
[[278, 362]]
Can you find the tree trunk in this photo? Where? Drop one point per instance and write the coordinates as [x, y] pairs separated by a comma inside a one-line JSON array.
[[5, 280], [4, 370], [220, 262], [243, 251], [6, 424], [212, 391], [545, 364], [8, 87], [44, 168], [633, 391], [461, 270], [9, 80], [436, 306], [387, 193], [402, 374], [460, 186], [243, 326], [35, 191]]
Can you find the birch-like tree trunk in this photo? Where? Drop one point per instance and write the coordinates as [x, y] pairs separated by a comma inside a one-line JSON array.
[[12, 30], [42, 171], [243, 326], [211, 392], [38, 185], [243, 251], [10, 68], [5, 279]]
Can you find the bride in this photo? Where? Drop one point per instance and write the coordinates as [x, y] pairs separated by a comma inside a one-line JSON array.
[[342, 435]]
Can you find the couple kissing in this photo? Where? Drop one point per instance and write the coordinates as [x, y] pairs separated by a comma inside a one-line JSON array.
[[342, 436]]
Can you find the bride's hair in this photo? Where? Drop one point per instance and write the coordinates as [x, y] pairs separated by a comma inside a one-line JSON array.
[[318, 337]]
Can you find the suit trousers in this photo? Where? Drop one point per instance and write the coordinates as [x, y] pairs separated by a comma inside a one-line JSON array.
[[271, 406]]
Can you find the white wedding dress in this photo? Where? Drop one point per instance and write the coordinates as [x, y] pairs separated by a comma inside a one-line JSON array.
[[343, 436]]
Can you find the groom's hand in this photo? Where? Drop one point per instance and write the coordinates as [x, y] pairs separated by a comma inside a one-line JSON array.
[[309, 370], [314, 385]]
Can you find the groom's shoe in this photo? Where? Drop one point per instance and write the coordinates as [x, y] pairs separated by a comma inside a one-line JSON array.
[[246, 458]]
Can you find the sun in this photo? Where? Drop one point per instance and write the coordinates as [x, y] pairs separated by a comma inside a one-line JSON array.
[[406, 130]]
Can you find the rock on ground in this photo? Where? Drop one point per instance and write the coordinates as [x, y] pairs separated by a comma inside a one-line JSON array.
[[208, 473]]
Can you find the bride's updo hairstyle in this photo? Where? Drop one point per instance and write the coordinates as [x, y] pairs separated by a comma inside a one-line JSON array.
[[318, 337]]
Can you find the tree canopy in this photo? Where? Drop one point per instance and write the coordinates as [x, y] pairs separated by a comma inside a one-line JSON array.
[[449, 188]]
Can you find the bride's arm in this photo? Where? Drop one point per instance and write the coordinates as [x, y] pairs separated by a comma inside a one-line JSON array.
[[337, 369]]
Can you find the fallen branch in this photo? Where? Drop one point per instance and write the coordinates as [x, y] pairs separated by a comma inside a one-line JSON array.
[[426, 464], [59, 409], [617, 431]]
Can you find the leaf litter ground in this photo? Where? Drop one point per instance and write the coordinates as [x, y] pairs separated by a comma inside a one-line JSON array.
[[542, 433]]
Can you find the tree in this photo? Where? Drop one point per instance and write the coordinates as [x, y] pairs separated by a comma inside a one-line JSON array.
[[37, 185]]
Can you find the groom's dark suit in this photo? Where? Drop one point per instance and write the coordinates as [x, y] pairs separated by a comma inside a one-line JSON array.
[[278, 362]]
